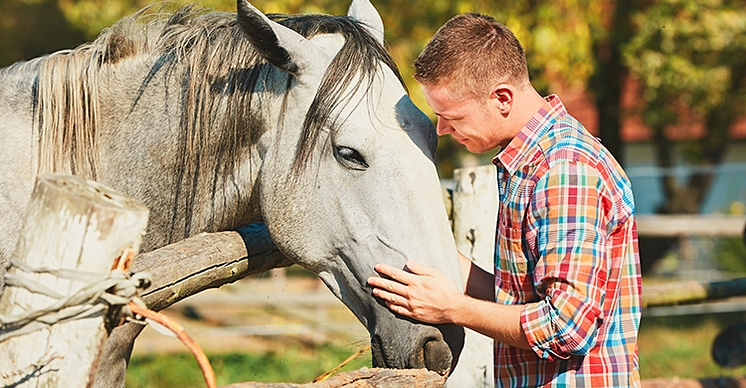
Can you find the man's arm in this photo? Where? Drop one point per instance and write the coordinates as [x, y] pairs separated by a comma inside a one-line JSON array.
[[569, 219], [478, 283], [428, 295]]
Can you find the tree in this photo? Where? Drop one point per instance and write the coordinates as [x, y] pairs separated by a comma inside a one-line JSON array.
[[32, 28], [689, 56]]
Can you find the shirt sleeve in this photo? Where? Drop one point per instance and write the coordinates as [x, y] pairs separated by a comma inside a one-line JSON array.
[[570, 276]]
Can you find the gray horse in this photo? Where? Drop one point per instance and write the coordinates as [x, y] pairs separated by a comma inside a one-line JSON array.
[[215, 121]]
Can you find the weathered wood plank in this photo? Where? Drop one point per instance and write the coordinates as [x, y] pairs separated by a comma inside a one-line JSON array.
[[186, 268], [681, 292], [72, 224], [365, 378]]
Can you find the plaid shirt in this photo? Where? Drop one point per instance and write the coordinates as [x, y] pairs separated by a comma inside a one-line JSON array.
[[566, 249]]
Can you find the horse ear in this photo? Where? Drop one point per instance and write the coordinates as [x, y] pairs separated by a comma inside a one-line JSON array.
[[364, 12], [280, 46]]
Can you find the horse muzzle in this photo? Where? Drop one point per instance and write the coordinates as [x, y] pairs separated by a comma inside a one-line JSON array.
[[416, 346]]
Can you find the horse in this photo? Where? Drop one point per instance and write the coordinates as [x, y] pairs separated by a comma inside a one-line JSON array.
[[217, 120]]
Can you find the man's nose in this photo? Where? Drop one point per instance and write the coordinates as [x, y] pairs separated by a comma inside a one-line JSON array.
[[443, 127]]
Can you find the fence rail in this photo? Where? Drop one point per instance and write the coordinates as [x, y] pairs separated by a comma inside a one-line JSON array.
[[690, 225]]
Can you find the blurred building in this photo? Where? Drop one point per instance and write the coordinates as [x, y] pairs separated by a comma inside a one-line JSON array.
[[729, 186]]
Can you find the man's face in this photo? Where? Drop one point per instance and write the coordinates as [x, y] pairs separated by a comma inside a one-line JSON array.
[[468, 120]]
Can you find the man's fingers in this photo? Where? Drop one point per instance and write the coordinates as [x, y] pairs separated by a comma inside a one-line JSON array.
[[395, 273], [386, 284], [391, 298], [394, 302], [419, 269], [399, 309]]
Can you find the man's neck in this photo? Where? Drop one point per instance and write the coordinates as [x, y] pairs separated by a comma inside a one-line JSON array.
[[531, 102], [528, 102]]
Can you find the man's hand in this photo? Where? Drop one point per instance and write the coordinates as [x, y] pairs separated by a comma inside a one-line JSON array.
[[426, 294]]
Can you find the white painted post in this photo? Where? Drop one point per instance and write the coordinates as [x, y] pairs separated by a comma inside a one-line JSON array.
[[474, 218], [72, 224]]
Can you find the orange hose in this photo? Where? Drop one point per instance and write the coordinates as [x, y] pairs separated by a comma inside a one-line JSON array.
[[193, 347]]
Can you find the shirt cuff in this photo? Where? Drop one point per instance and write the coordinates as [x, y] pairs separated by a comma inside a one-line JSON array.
[[537, 323]]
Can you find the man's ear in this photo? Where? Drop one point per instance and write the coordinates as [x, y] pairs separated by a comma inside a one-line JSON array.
[[502, 96]]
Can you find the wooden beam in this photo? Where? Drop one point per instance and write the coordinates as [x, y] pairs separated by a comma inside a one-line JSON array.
[[474, 216], [681, 292], [205, 261], [186, 268]]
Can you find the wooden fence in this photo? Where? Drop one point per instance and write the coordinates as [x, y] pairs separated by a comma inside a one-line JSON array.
[[86, 227]]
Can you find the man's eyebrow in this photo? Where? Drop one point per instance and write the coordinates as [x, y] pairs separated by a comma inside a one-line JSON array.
[[447, 117]]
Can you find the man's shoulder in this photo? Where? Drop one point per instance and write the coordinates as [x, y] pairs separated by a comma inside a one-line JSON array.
[[567, 140]]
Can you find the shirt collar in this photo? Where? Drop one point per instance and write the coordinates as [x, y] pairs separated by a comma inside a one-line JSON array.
[[510, 156]]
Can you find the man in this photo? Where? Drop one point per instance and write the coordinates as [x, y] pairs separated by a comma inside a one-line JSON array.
[[564, 303]]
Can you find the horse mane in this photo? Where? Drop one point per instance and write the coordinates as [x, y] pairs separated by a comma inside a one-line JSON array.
[[213, 46], [219, 71]]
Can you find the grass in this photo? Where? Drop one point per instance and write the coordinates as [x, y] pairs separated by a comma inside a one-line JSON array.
[[297, 363], [668, 347], [680, 346]]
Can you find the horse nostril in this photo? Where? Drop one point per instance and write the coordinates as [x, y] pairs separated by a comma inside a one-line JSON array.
[[432, 353], [438, 357]]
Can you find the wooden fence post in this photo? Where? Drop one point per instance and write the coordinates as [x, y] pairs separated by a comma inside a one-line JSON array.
[[71, 224], [474, 215]]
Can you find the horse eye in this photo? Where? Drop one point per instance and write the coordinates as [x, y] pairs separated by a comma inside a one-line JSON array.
[[351, 158]]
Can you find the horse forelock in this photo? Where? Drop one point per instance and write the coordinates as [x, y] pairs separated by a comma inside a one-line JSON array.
[[354, 66]]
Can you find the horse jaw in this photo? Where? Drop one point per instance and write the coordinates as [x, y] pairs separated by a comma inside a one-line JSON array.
[[339, 222]]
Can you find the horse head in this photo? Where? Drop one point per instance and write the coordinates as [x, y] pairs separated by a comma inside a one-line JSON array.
[[361, 187]]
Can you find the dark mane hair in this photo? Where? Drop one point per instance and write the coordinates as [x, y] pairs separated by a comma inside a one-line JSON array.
[[218, 57], [219, 71], [360, 56]]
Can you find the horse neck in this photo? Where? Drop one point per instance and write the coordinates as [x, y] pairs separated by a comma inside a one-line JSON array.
[[197, 155], [186, 141]]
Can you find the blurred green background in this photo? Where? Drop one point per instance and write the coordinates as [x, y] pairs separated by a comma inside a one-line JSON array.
[[683, 58], [661, 82]]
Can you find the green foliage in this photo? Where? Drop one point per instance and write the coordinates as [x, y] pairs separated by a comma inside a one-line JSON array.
[[680, 346], [92, 16], [557, 34], [731, 255], [292, 364], [689, 55], [30, 28], [557, 37], [689, 49]]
